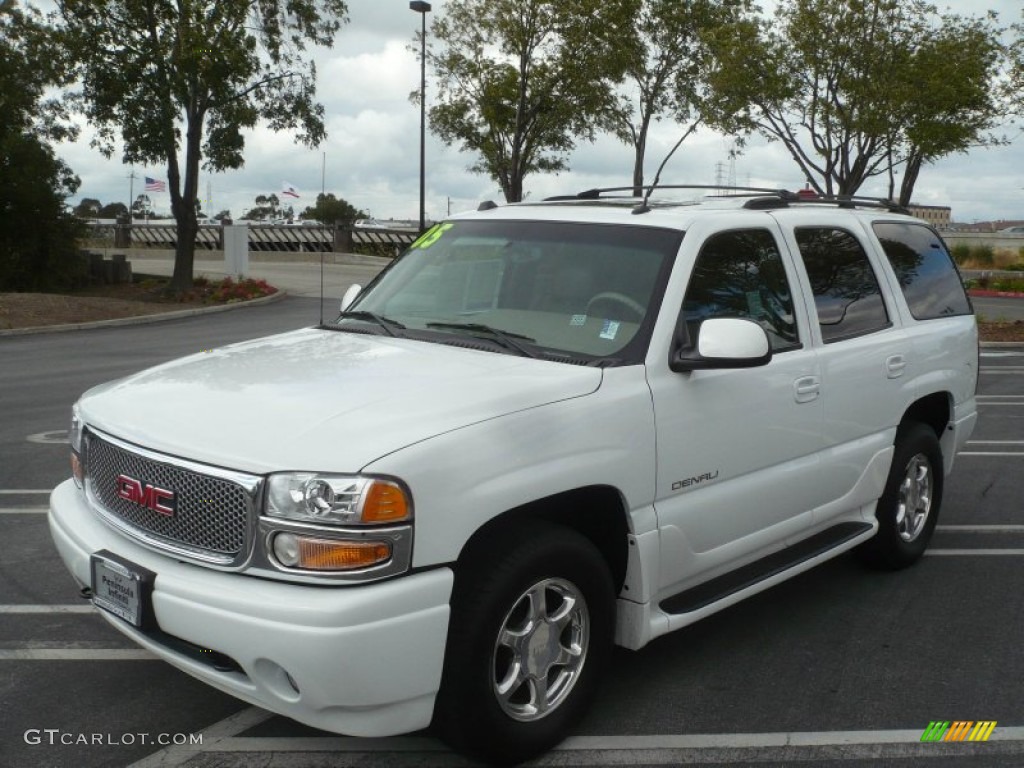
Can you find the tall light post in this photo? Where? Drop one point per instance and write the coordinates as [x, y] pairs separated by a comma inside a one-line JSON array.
[[422, 9]]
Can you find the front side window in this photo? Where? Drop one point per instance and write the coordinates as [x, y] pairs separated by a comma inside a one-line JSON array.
[[585, 292], [846, 292], [740, 274], [925, 270]]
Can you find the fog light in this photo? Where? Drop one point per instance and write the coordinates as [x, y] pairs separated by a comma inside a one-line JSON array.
[[286, 549]]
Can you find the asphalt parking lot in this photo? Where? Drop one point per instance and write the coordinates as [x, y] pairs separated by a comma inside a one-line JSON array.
[[840, 666]]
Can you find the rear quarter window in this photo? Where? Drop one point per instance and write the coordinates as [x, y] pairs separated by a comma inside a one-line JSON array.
[[925, 270]]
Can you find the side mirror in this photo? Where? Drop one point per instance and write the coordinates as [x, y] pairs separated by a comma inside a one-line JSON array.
[[725, 342], [350, 295]]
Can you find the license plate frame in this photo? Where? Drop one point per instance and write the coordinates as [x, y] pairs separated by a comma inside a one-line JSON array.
[[122, 588]]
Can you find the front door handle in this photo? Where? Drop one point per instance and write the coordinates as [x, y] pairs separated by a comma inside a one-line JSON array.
[[806, 389], [895, 366]]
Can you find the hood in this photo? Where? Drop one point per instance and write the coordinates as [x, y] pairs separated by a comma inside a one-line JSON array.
[[321, 400]]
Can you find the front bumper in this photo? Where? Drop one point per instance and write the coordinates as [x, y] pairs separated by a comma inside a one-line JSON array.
[[359, 660]]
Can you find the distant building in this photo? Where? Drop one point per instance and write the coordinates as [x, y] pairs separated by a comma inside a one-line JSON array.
[[939, 216]]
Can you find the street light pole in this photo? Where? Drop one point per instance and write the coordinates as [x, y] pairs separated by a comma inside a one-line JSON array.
[[423, 9]]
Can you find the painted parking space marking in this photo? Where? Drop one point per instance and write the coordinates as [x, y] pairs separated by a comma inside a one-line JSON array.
[[54, 437], [24, 511], [76, 654], [23, 492], [82, 607]]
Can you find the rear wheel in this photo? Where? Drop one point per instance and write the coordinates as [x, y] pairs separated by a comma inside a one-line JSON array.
[[909, 508], [530, 631]]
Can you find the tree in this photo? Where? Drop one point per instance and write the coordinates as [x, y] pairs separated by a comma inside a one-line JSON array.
[[88, 208], [38, 236], [267, 207], [179, 82], [671, 57], [113, 211], [333, 211], [142, 206], [221, 215], [519, 81], [855, 89]]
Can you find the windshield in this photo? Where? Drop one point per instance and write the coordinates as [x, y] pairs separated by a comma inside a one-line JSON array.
[[548, 289]]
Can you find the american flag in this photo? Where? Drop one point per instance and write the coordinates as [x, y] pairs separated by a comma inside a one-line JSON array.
[[155, 185], [289, 190]]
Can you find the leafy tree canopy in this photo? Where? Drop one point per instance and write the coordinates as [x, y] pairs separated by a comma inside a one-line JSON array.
[[860, 88], [519, 81], [333, 210], [179, 82], [669, 63]]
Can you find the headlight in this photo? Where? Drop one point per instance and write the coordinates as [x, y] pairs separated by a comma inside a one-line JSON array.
[[75, 431], [75, 439], [337, 499]]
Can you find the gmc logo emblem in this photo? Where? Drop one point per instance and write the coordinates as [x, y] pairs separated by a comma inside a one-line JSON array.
[[160, 500]]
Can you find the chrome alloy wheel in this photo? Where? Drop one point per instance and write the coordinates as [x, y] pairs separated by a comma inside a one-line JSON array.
[[541, 649], [915, 498]]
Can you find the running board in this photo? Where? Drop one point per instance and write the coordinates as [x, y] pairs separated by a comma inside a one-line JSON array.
[[735, 581]]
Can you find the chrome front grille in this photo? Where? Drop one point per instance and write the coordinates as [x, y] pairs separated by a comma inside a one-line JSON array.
[[213, 509]]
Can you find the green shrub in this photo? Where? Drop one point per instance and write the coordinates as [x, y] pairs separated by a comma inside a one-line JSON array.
[[960, 252], [983, 255]]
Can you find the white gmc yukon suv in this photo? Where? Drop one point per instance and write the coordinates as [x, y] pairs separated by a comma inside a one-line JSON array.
[[544, 430]]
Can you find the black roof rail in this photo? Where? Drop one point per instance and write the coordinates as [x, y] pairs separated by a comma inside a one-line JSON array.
[[854, 201], [761, 198], [599, 192]]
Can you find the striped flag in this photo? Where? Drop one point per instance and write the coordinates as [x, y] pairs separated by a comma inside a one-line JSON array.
[[155, 185], [289, 190]]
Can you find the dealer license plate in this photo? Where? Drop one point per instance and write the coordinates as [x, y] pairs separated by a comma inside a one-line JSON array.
[[122, 588]]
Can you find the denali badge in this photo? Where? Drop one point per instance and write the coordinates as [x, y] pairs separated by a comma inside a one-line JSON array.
[[159, 500]]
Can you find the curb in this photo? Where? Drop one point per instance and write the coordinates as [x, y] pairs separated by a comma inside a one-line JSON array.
[[144, 319], [984, 293]]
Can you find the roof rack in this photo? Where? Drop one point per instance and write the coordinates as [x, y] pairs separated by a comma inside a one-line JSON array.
[[602, 192], [761, 198]]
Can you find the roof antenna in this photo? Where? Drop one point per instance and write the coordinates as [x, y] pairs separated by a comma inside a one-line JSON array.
[[643, 207]]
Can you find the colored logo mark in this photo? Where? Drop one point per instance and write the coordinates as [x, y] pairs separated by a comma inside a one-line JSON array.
[[958, 730]]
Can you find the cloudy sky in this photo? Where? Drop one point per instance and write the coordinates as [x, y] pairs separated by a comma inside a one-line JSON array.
[[371, 155]]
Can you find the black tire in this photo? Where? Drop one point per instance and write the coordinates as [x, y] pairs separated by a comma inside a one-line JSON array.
[[494, 589], [909, 507]]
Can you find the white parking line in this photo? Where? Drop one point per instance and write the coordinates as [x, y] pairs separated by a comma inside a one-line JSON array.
[[73, 608], [24, 511], [975, 552], [76, 654], [981, 528], [989, 453], [22, 492]]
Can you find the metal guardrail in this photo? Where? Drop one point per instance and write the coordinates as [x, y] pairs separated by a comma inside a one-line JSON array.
[[262, 237]]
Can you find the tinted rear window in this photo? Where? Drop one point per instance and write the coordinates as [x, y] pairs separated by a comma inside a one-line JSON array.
[[927, 275]]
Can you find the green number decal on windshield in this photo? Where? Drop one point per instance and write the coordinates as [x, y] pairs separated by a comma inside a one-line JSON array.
[[432, 235]]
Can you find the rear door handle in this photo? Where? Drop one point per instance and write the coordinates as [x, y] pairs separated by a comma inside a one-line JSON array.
[[806, 389], [895, 366]]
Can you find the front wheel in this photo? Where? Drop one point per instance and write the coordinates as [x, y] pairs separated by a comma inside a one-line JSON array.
[[530, 631], [909, 507]]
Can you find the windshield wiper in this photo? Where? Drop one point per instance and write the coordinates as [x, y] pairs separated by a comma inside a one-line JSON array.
[[506, 339], [384, 322]]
